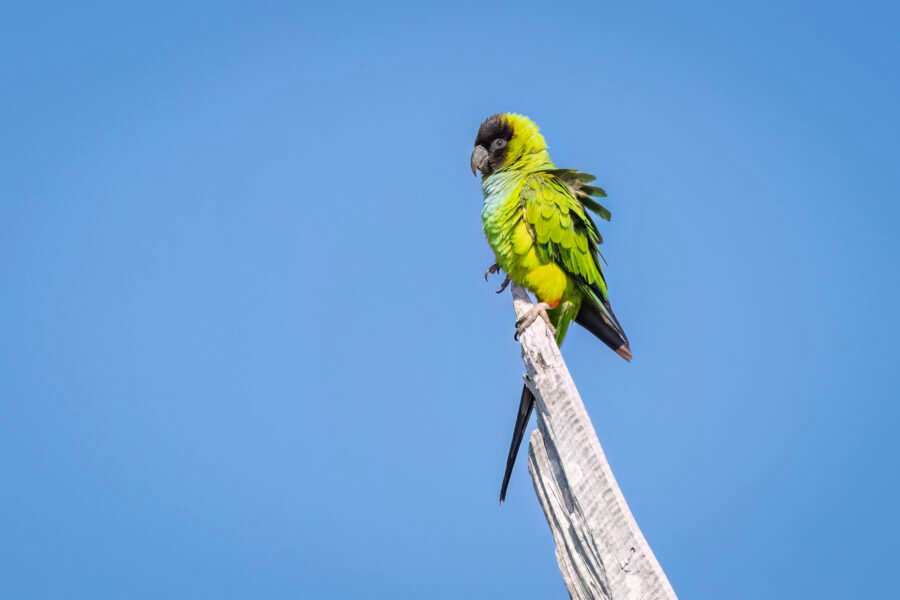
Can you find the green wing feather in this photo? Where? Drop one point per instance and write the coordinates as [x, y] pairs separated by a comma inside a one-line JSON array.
[[556, 206], [577, 182], [562, 226]]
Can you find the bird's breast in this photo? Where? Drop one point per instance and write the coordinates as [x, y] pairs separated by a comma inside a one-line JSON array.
[[505, 227]]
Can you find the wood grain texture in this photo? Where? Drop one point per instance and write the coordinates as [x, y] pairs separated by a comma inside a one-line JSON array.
[[600, 549]]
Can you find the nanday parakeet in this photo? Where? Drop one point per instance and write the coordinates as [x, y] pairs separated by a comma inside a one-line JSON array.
[[537, 221]]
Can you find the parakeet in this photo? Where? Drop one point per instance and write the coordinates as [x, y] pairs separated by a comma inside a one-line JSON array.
[[537, 221]]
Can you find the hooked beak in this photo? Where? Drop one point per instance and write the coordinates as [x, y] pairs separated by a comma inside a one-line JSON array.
[[479, 161]]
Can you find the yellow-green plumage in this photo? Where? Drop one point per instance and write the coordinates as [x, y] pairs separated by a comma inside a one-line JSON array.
[[537, 221]]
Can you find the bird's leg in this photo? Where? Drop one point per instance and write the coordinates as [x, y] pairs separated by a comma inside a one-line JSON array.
[[538, 310], [494, 268], [503, 285]]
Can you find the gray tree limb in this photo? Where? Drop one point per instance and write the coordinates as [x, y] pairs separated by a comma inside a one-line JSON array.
[[599, 547]]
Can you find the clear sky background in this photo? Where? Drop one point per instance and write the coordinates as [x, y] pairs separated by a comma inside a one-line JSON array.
[[246, 350]]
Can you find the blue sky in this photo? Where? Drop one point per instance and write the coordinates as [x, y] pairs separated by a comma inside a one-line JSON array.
[[246, 347]]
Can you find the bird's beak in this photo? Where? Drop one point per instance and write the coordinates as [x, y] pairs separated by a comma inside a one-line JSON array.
[[479, 160]]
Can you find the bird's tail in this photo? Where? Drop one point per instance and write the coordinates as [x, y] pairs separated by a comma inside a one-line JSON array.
[[600, 320], [526, 405]]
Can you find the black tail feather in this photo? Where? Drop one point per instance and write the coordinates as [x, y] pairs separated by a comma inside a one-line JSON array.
[[526, 405], [591, 318]]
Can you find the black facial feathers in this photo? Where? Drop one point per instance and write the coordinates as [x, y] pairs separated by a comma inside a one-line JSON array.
[[492, 139], [493, 127]]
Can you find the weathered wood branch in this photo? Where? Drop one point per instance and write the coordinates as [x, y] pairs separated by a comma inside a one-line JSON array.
[[599, 547]]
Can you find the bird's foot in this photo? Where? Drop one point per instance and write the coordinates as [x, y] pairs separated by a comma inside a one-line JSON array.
[[539, 310], [491, 270], [504, 285]]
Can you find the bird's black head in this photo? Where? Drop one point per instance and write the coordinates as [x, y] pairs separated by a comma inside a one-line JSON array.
[[491, 144]]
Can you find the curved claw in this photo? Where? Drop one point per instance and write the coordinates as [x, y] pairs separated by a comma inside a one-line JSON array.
[[503, 286], [494, 268]]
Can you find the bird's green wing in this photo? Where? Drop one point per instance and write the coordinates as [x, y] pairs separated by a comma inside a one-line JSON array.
[[577, 182], [556, 207], [562, 228]]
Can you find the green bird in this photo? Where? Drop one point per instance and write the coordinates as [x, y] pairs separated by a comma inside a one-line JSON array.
[[537, 220]]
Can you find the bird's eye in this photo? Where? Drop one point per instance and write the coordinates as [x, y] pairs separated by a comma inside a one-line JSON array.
[[498, 143]]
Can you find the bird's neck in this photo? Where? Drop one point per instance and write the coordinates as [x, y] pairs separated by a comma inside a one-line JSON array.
[[535, 160], [503, 181]]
